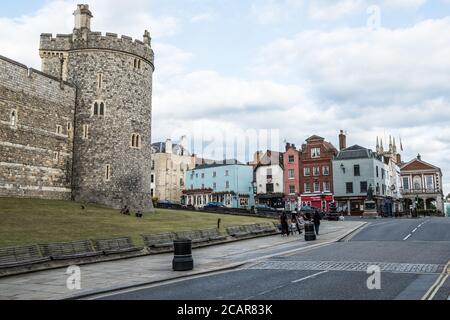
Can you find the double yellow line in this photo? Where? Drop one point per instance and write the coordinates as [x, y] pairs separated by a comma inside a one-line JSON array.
[[438, 284]]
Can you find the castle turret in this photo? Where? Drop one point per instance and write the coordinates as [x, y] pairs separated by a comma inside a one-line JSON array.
[[112, 130]]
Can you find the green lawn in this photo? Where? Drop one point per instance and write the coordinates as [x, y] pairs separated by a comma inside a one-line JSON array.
[[31, 221]]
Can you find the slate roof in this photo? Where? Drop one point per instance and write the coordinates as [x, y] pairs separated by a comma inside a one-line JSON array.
[[160, 147], [355, 152]]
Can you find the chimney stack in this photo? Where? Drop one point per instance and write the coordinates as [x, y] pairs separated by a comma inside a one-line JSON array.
[[342, 140], [169, 147], [399, 158], [83, 17]]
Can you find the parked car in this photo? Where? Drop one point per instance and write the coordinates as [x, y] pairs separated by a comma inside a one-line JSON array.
[[264, 207], [166, 204], [214, 205]]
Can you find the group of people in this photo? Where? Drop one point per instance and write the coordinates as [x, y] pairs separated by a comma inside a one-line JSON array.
[[126, 211], [293, 223]]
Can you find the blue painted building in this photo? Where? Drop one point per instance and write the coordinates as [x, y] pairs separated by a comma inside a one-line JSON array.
[[231, 184]]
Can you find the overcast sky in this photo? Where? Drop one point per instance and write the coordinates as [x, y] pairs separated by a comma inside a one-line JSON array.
[[303, 67]]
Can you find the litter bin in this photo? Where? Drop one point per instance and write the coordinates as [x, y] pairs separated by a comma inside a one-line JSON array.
[[182, 260], [310, 232]]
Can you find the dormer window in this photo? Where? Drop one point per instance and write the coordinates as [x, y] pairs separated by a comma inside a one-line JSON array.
[[315, 152]]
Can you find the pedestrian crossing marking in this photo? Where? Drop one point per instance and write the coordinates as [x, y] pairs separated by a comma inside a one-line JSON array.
[[418, 268]]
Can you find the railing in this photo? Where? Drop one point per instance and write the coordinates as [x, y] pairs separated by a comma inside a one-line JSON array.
[[419, 191]]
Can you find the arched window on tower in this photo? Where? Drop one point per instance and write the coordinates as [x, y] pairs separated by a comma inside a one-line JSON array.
[[102, 108], [139, 64], [13, 119], [138, 141], [135, 63], [95, 108], [135, 141]]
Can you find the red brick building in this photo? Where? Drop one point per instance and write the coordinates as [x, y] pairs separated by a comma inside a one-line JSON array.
[[316, 173], [291, 162]]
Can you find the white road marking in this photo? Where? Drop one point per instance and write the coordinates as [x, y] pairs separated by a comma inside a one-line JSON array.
[[414, 230], [438, 284], [309, 277], [407, 237]]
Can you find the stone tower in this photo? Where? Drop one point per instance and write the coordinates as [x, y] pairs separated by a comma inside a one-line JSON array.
[[112, 127]]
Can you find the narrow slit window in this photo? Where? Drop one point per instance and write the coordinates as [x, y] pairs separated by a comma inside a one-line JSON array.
[[139, 64], [13, 119], [102, 108], [58, 129], [133, 139], [86, 132], [108, 172], [100, 80], [135, 63]]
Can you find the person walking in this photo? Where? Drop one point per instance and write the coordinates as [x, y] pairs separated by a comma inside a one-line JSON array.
[[284, 224], [316, 218]]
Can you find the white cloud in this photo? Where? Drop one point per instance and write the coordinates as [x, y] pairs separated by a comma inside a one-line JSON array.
[[19, 37], [203, 17]]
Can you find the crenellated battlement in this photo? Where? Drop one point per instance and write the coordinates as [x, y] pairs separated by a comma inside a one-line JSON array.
[[96, 40]]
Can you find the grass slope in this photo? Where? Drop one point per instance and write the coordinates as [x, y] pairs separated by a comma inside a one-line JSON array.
[[30, 221]]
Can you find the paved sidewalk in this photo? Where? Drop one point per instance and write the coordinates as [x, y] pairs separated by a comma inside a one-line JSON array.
[[113, 275]]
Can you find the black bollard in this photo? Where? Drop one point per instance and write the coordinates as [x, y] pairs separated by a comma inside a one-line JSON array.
[[310, 233], [182, 260]]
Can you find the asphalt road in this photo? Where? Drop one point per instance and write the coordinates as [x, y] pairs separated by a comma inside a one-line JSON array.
[[411, 254]]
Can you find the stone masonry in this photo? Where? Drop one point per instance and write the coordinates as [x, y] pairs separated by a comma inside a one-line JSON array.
[[103, 93]]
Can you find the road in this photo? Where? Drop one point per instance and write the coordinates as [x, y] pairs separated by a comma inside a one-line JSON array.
[[412, 254]]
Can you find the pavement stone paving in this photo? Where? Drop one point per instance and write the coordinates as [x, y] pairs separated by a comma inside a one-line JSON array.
[[103, 276]]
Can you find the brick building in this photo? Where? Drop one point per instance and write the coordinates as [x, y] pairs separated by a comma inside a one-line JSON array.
[[316, 172], [291, 163]]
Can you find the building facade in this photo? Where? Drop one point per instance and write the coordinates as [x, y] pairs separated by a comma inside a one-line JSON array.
[[269, 179], [393, 203], [291, 164], [316, 173], [355, 170], [101, 146], [170, 162], [422, 187], [230, 184]]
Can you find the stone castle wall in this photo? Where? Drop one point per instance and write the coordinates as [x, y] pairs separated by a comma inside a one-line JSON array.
[[35, 160], [118, 73]]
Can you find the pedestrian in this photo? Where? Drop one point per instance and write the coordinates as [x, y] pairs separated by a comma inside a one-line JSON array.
[[284, 224], [316, 218]]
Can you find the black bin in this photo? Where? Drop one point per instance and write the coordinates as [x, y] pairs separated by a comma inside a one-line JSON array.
[[182, 260], [310, 233]]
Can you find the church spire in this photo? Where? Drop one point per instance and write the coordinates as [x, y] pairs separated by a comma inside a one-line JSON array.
[[378, 145]]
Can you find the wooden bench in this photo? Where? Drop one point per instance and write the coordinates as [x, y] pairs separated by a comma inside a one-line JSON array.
[[115, 245], [159, 241], [268, 228], [20, 256], [238, 232], [253, 229], [69, 250], [213, 235], [195, 236]]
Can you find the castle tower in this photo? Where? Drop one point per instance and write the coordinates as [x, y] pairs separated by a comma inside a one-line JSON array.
[[113, 111]]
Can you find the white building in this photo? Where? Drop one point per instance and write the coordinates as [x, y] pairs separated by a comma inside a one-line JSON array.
[[269, 179]]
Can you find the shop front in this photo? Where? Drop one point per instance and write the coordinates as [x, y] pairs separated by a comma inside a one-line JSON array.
[[318, 201]]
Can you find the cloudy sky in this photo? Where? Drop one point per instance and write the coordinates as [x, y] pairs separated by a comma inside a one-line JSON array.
[[372, 68]]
